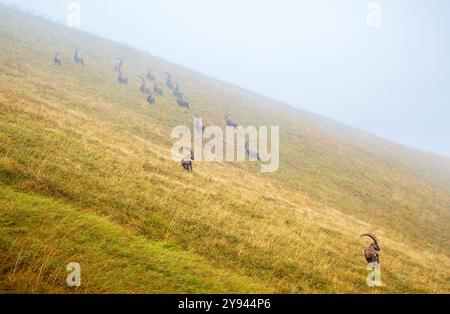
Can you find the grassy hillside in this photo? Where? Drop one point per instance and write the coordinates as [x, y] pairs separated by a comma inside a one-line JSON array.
[[86, 176]]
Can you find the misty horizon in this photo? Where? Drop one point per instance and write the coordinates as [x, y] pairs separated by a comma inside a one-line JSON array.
[[389, 80]]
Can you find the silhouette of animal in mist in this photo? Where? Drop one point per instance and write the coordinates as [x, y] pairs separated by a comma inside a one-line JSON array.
[[169, 81], [230, 122], [251, 152], [151, 99], [158, 90], [151, 74], [186, 163], [119, 66], [57, 59], [183, 103], [144, 88]]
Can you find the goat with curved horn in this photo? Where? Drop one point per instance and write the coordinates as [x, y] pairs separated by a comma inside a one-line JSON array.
[[230, 122], [372, 252]]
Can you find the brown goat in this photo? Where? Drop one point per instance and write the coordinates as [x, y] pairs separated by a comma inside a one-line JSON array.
[[231, 122], [372, 252], [186, 163]]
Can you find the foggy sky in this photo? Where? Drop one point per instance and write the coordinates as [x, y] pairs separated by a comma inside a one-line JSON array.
[[317, 55]]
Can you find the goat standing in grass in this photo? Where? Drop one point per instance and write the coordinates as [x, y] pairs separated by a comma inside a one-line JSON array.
[[169, 81], [252, 154], [158, 90], [151, 99], [183, 103], [176, 90], [186, 163], [231, 122], [144, 88], [151, 75]]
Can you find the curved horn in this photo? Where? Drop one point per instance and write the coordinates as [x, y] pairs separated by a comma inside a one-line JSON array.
[[372, 236]]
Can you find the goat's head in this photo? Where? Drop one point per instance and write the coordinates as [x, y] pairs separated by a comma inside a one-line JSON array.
[[375, 245]]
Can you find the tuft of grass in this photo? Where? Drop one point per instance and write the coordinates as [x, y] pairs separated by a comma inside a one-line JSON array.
[[40, 236]]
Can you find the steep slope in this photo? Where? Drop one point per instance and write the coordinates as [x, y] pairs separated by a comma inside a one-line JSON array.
[[86, 176]]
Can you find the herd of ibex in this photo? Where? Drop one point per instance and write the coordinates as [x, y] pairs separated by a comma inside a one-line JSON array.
[[371, 253]]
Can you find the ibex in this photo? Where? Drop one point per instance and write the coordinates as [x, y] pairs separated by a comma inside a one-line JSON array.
[[119, 66], [372, 252], [57, 59], [183, 103], [230, 122], [151, 75], [186, 163], [169, 81], [251, 153], [122, 79], [158, 90], [151, 99], [176, 90], [199, 126], [78, 59], [144, 88]]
